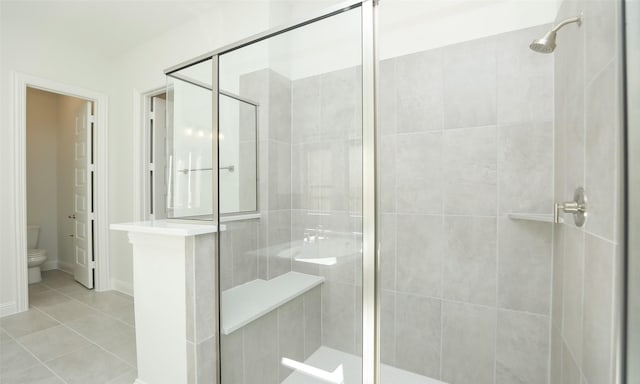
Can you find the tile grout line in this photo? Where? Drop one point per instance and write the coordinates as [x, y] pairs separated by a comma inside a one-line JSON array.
[[81, 302], [86, 338], [44, 364]]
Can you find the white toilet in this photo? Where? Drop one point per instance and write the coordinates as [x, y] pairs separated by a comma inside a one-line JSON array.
[[35, 257]]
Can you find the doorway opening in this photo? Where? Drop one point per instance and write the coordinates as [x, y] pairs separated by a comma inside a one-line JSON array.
[[96, 249], [60, 181]]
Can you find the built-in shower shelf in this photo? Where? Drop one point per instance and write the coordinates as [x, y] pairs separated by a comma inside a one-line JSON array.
[[541, 217], [247, 302]]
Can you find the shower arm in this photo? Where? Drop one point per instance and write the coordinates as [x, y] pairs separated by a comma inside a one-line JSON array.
[[577, 19]]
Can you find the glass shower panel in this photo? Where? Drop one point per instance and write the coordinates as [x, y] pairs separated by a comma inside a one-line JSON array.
[[291, 285], [466, 191], [238, 155], [189, 133]]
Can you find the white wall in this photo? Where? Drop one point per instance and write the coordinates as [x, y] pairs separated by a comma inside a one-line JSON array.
[[122, 78], [42, 170], [141, 70], [36, 55]]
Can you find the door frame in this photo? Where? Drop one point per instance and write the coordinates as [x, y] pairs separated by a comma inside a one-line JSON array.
[[141, 105], [19, 124]]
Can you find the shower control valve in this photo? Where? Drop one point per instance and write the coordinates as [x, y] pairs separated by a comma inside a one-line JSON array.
[[577, 207]]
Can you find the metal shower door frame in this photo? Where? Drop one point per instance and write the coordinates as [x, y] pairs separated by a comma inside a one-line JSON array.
[[370, 259]]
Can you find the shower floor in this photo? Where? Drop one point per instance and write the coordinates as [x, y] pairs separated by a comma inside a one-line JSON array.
[[329, 359]]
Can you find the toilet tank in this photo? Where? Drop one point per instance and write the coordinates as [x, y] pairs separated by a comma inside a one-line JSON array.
[[32, 236]]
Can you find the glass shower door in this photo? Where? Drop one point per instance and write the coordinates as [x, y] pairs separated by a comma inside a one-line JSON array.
[[291, 272]]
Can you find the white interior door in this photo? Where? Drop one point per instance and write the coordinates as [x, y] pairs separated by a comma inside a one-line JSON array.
[[82, 197], [158, 159]]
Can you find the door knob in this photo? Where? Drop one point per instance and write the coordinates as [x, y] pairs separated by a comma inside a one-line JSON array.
[[577, 207], [72, 216]]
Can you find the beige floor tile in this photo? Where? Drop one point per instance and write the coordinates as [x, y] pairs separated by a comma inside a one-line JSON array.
[[124, 313], [4, 336], [13, 359], [103, 330], [26, 322], [104, 301], [89, 365], [69, 311], [47, 298], [37, 288], [53, 342], [75, 290], [127, 378], [38, 374]]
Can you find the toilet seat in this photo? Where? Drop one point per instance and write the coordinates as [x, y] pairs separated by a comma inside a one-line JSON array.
[[36, 253]]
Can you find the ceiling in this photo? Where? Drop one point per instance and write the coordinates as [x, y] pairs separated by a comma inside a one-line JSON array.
[[114, 26]]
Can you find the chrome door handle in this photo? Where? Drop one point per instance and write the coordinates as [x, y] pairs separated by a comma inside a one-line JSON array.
[[577, 207]]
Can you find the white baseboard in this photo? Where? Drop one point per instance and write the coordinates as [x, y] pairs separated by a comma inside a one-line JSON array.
[[49, 265], [64, 266], [122, 286], [7, 309]]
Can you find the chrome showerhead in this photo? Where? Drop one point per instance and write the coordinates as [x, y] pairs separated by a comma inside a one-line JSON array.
[[547, 43]]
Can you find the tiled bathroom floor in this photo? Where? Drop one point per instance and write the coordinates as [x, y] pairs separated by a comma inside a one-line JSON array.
[[69, 335]]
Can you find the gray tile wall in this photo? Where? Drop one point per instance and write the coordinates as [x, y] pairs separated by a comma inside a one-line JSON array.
[[588, 150], [466, 137], [326, 192], [200, 270], [251, 249], [252, 354]]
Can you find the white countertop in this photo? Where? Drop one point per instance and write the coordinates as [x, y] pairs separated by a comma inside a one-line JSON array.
[[167, 227]]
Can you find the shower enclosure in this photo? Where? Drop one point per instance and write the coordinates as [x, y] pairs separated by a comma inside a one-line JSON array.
[[392, 221]]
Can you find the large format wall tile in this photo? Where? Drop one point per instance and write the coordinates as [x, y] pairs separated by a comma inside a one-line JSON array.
[[600, 35], [468, 343], [279, 175], [338, 319], [419, 173], [569, 102], [279, 107], [525, 164], [305, 111], [557, 284], [524, 266], [470, 84], [388, 107], [419, 90], [291, 333], [340, 104], [573, 276], [312, 321], [522, 348], [261, 350], [470, 171], [470, 260], [419, 254], [232, 359], [387, 234], [598, 305], [525, 94], [388, 327], [418, 334], [601, 153]]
